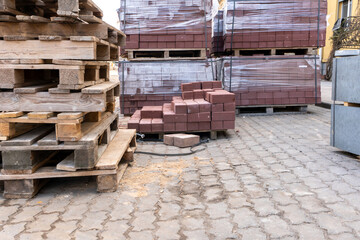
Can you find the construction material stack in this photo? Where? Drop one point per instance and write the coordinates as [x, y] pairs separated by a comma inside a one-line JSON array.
[[273, 48], [149, 83], [166, 29], [58, 115], [168, 44], [203, 106], [272, 81], [274, 25]]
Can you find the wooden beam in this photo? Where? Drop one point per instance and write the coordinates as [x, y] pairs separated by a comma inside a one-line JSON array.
[[116, 150], [47, 102]]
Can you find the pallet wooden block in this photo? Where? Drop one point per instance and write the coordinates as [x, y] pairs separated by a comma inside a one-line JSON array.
[[31, 99], [77, 48], [70, 8], [73, 8], [27, 185]]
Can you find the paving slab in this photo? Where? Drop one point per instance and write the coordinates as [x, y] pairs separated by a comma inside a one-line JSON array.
[[273, 177]]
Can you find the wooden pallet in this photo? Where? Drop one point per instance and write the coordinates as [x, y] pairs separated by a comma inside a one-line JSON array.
[[43, 98], [271, 110], [70, 74], [41, 11], [213, 134], [52, 47], [26, 30], [109, 169], [69, 126], [166, 54], [28, 152], [272, 51]]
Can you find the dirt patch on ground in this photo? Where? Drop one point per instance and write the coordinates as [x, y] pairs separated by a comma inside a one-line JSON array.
[[136, 178]]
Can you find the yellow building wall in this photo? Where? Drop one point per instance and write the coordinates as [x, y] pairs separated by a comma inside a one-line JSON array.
[[332, 16]]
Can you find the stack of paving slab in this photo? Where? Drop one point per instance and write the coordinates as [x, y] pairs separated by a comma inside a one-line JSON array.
[[273, 80], [269, 24], [273, 48], [203, 106], [57, 103], [155, 83], [166, 24], [167, 45]]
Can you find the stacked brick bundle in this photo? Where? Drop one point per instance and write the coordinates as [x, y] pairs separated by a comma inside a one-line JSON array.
[[204, 106], [166, 24], [154, 83], [275, 80], [275, 24]]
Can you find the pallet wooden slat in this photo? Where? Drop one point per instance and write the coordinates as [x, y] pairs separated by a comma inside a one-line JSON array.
[[65, 49], [116, 150], [93, 100], [102, 30], [29, 138]]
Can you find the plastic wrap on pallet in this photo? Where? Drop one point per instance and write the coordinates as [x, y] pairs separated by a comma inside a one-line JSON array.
[[273, 80], [217, 41], [154, 83], [165, 24], [164, 16], [275, 23]]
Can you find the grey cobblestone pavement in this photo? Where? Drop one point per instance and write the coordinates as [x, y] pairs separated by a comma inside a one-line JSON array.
[[275, 177]]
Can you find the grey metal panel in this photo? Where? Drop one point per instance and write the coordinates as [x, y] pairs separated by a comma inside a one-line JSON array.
[[347, 79], [347, 53], [332, 141], [333, 80], [346, 128]]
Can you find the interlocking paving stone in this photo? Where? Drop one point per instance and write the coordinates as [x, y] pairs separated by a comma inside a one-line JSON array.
[[274, 178]]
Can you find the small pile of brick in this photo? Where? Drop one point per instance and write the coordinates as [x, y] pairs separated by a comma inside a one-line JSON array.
[[284, 24], [165, 24], [204, 106]]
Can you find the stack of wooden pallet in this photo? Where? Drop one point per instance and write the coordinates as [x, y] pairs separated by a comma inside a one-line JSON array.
[[57, 102]]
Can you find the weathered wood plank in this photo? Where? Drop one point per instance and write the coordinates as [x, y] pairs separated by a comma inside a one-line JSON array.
[[116, 150], [33, 49], [11, 114], [29, 138], [47, 102], [102, 30], [52, 172], [67, 164], [40, 115], [50, 139], [92, 136], [70, 115], [100, 88], [11, 130], [34, 89], [32, 19]]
